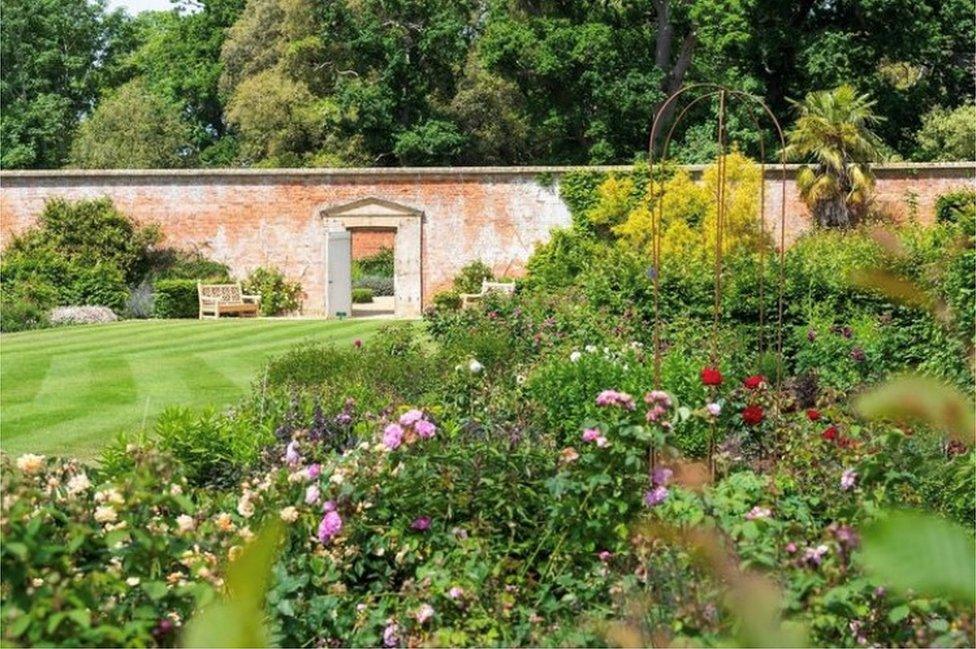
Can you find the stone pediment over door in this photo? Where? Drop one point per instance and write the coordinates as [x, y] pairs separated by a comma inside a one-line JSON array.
[[377, 209], [407, 266]]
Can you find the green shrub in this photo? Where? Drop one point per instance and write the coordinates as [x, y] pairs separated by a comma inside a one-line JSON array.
[[176, 298], [362, 295], [956, 206], [172, 263], [278, 295], [557, 263], [92, 232], [379, 264], [447, 300], [20, 314], [379, 284], [98, 285], [469, 279], [213, 449]]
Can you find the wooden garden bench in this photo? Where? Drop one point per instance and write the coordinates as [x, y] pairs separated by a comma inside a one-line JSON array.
[[487, 287], [224, 299]]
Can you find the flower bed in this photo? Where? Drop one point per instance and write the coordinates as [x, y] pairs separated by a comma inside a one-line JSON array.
[[516, 479]]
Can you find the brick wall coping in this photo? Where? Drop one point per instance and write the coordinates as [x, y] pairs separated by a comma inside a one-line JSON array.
[[429, 173]]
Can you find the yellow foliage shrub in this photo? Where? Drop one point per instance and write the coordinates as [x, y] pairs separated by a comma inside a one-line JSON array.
[[690, 212]]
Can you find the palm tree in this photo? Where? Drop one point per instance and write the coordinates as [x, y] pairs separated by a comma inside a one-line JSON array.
[[832, 131]]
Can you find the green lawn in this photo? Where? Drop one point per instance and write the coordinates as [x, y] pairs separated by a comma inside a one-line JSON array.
[[70, 391]]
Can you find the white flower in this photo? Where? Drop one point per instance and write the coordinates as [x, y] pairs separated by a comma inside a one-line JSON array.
[[185, 523], [30, 463], [288, 514], [224, 522], [175, 489], [244, 506], [590, 348], [575, 356], [111, 496], [132, 581], [338, 477], [105, 514], [78, 483], [475, 367], [424, 613], [37, 582], [714, 409], [312, 494]]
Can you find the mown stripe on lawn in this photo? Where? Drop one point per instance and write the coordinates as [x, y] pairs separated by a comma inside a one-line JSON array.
[[137, 337], [22, 381], [94, 336]]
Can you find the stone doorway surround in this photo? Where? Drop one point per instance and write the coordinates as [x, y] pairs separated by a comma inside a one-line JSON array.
[[407, 221]]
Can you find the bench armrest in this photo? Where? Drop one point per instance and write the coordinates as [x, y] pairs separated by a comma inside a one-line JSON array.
[[253, 299]]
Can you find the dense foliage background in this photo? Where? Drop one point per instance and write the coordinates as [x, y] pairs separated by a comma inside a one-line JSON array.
[[411, 82]]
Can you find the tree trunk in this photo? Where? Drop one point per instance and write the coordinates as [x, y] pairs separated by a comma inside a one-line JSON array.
[[833, 213], [674, 73]]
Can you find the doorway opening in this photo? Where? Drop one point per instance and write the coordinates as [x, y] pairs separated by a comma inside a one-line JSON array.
[[363, 230], [373, 271]]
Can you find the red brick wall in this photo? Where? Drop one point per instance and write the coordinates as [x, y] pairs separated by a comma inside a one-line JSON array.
[[366, 242], [249, 218]]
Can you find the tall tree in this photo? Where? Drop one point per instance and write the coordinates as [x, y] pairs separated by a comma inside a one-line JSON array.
[[50, 51], [134, 128]]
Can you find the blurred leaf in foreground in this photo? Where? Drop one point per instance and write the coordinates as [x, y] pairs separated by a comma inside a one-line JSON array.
[[237, 620], [918, 398], [924, 553]]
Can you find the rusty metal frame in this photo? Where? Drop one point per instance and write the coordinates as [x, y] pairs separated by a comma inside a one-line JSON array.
[[704, 92]]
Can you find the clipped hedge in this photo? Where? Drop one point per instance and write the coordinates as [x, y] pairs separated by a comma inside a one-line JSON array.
[[362, 295], [379, 284], [176, 298]]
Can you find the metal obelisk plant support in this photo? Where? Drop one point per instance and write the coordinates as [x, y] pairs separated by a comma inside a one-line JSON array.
[[703, 92]]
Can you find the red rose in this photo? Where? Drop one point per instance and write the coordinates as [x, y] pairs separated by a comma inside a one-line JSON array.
[[813, 414], [754, 381], [846, 442], [829, 434], [753, 415], [711, 376]]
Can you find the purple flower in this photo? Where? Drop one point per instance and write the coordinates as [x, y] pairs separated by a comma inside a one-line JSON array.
[[661, 476], [425, 428], [848, 479], [343, 418], [604, 555], [330, 526], [591, 434], [329, 506], [814, 556], [424, 613], [714, 409], [313, 471], [456, 592], [393, 436], [291, 453], [656, 496], [658, 396], [811, 335], [614, 398], [757, 513], [655, 413], [411, 417], [846, 537], [390, 637], [790, 547], [421, 524], [312, 494], [858, 355]]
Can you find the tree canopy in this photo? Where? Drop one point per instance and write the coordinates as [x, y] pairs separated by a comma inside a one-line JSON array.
[[432, 82]]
